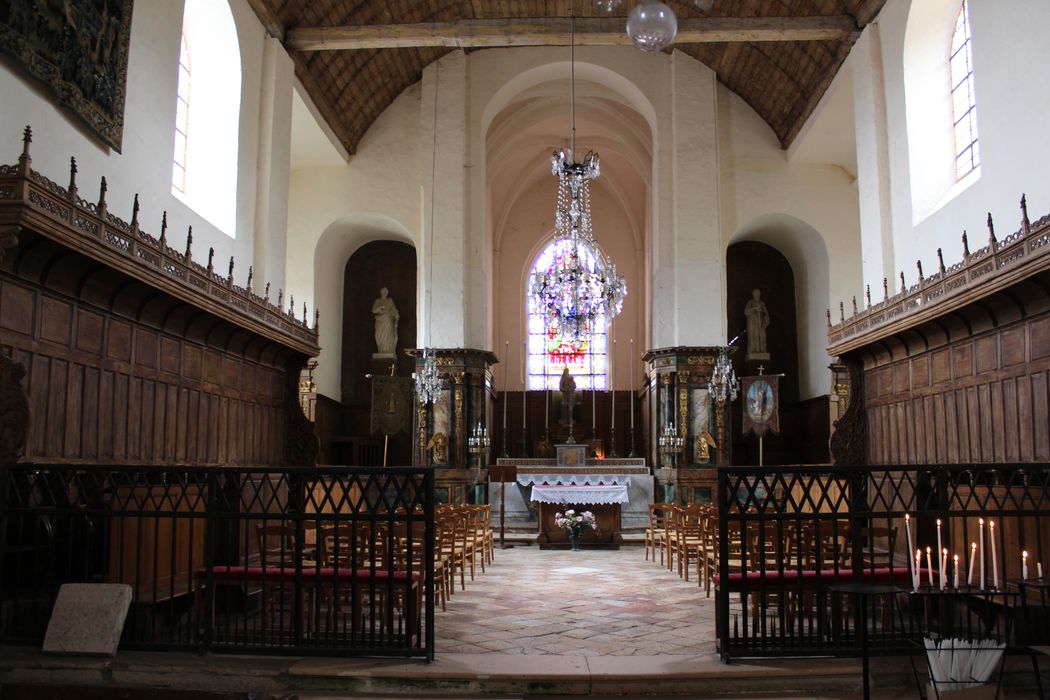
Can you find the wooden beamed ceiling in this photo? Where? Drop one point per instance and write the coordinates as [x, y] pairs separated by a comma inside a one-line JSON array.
[[355, 58]]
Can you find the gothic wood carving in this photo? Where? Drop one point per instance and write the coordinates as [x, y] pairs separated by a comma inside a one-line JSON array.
[[850, 439]]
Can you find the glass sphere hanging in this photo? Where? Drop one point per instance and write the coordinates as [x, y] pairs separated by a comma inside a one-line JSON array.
[[608, 6], [652, 26]]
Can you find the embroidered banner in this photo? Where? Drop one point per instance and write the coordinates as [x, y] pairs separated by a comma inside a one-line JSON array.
[[391, 405], [761, 398]]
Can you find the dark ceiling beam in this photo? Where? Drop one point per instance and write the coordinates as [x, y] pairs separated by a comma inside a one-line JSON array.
[[270, 21], [590, 31]]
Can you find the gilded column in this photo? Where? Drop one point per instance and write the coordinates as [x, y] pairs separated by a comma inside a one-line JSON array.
[[460, 437]]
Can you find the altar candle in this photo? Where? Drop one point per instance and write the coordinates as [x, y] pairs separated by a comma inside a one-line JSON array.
[[907, 529], [546, 408], [630, 386], [1024, 565], [506, 358], [969, 572], [612, 387], [940, 567], [995, 564], [929, 566], [955, 572], [1039, 568], [980, 540], [916, 576]]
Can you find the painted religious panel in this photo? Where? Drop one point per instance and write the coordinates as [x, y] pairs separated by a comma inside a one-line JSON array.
[[761, 397], [79, 50]]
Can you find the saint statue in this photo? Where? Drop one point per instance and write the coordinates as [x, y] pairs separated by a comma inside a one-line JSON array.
[[387, 317], [439, 446], [568, 394], [757, 322]]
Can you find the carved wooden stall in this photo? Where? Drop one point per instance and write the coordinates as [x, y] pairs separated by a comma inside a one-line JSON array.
[[127, 352], [954, 369]]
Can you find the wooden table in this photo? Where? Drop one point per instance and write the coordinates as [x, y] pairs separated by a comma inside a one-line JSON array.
[[580, 498]]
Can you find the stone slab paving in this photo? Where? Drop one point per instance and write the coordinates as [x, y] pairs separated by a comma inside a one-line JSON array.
[[586, 603]]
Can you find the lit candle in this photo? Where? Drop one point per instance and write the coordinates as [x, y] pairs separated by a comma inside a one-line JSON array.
[[929, 566], [969, 572], [907, 529], [995, 564], [939, 547], [955, 572], [630, 385], [944, 569], [1024, 565], [916, 576], [980, 541]]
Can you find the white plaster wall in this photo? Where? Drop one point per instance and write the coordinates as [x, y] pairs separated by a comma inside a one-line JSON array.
[[1010, 71], [144, 164], [765, 197], [376, 196]]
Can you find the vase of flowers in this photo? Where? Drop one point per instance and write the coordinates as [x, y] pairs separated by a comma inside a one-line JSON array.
[[575, 524]]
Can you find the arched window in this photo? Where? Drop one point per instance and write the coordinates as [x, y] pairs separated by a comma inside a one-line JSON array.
[[182, 118], [549, 353], [207, 113], [964, 102]]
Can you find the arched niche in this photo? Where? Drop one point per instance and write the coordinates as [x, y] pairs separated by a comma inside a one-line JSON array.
[[373, 266]]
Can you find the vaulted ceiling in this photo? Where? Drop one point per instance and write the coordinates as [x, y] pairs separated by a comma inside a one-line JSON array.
[[354, 57]]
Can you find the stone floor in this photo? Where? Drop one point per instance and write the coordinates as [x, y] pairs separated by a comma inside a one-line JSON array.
[[587, 603]]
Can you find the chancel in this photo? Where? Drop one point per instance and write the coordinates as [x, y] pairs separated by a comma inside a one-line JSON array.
[[317, 318]]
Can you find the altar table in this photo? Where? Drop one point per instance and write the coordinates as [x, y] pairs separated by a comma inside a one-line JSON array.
[[601, 494]]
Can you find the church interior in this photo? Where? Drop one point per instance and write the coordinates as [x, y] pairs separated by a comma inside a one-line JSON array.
[[526, 338]]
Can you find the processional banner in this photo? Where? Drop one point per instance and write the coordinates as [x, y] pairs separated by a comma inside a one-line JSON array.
[[761, 400], [391, 405]]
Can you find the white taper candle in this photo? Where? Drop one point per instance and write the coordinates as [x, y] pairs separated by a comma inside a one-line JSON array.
[[995, 564], [969, 572]]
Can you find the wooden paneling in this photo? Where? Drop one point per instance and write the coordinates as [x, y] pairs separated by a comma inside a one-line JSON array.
[[987, 401], [110, 389]]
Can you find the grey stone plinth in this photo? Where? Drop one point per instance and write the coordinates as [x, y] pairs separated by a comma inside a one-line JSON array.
[[88, 619]]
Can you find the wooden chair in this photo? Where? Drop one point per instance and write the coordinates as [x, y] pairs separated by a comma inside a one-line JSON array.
[[690, 541], [654, 534]]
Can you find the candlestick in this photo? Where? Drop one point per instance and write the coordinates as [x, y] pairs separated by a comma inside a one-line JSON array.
[[506, 358], [955, 572], [546, 410], [1024, 565], [944, 569], [980, 542], [995, 564], [929, 566], [916, 577], [907, 529], [969, 572], [594, 412], [612, 387], [630, 385]]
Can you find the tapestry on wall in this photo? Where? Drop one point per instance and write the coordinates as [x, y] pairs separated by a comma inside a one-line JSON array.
[[78, 49]]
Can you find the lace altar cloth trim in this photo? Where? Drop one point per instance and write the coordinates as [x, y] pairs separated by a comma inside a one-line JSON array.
[[583, 495], [575, 479]]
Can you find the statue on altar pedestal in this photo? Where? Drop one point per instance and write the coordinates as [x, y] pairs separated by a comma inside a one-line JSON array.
[[387, 317], [567, 386], [757, 322], [439, 444], [704, 441]]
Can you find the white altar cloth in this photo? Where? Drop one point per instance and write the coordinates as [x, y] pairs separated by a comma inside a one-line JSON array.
[[575, 479], [582, 495]]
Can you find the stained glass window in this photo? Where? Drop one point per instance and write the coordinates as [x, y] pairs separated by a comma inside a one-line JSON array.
[[964, 100], [549, 353]]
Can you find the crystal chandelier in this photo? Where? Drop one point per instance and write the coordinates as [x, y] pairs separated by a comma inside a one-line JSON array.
[[723, 383], [427, 379], [581, 287]]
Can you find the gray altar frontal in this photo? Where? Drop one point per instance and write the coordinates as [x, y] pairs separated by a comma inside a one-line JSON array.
[[522, 513]]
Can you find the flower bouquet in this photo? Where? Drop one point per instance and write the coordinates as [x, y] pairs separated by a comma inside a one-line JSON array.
[[575, 523]]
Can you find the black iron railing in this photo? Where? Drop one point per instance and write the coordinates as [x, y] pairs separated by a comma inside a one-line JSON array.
[[791, 538], [328, 560]]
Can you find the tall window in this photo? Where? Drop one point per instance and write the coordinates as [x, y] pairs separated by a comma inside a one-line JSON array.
[[204, 164], [182, 112], [964, 103], [549, 353]]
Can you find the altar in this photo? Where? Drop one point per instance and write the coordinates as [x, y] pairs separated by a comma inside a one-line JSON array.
[[617, 491]]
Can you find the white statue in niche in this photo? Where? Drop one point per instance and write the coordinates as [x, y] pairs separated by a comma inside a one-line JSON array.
[[757, 322], [387, 317]]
